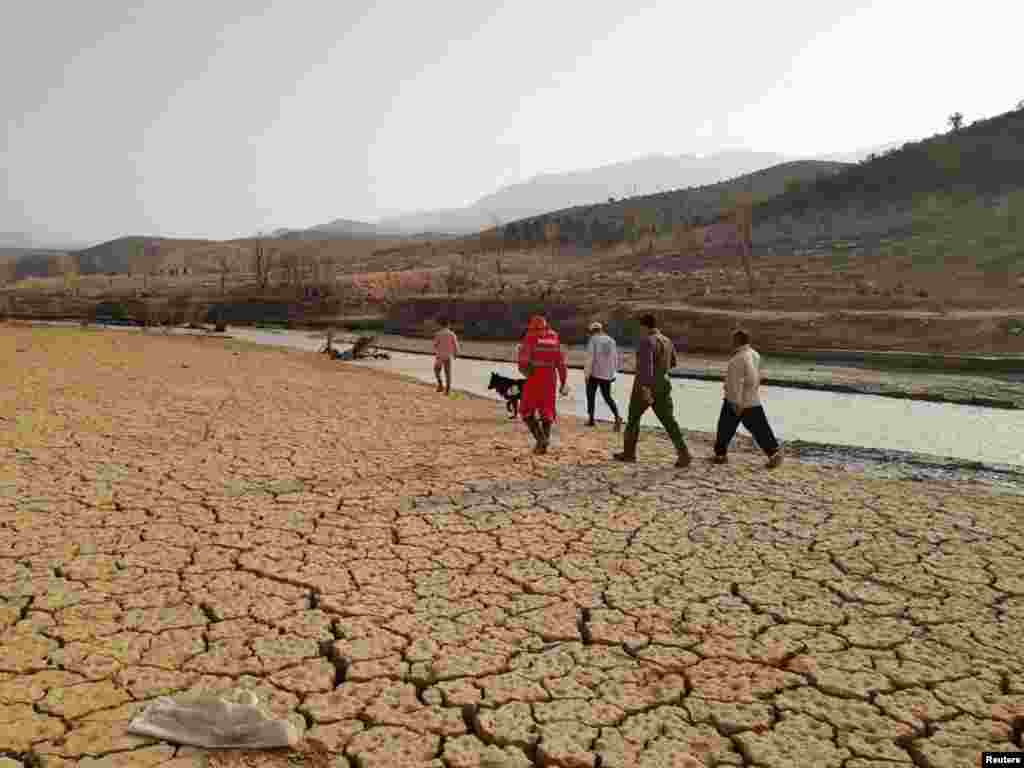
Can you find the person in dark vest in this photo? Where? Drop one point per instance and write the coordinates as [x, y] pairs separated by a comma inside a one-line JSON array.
[[742, 403], [652, 388]]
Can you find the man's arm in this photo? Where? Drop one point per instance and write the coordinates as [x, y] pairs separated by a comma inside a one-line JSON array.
[[588, 364], [525, 352], [734, 382], [751, 377], [455, 344], [563, 368], [645, 362]]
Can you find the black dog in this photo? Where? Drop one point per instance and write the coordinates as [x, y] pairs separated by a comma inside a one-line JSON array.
[[510, 389]]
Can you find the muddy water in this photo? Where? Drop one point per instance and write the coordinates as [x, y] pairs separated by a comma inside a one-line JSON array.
[[876, 435], [968, 433]]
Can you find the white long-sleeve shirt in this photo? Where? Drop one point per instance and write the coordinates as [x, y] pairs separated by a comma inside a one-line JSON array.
[[602, 357], [743, 378]]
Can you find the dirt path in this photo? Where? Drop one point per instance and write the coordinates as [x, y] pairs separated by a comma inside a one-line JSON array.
[[393, 572]]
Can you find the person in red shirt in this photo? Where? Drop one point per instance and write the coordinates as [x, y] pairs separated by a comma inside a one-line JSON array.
[[540, 358]]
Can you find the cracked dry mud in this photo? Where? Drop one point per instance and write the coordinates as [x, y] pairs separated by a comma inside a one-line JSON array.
[[396, 574]]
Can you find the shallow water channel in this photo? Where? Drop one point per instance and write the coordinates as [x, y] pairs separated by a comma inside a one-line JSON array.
[[893, 437], [962, 433]]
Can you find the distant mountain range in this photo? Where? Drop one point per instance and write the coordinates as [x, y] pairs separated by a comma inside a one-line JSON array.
[[339, 228], [645, 176], [556, 191], [24, 241], [15, 240]]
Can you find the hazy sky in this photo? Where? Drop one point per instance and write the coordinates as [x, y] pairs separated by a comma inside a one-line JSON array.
[[218, 119]]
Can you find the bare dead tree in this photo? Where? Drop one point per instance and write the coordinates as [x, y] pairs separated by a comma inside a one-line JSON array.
[[498, 231], [631, 228], [261, 264], [305, 266], [552, 233], [325, 269], [223, 260], [457, 279], [289, 263]]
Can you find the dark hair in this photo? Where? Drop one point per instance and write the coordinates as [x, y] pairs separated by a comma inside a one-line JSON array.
[[648, 321], [740, 336], [442, 321]]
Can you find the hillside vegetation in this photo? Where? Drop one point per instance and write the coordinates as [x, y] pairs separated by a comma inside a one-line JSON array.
[[983, 159], [606, 223]]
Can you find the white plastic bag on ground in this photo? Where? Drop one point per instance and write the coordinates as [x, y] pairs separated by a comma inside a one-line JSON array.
[[214, 723]]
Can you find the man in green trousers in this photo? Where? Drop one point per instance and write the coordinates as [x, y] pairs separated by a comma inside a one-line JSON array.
[[652, 388]]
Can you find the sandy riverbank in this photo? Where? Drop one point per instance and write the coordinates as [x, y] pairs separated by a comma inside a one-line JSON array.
[[394, 572]]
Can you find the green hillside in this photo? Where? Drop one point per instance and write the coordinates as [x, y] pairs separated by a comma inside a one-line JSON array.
[[119, 256], [956, 199], [593, 225], [985, 158], [955, 193], [20, 263]]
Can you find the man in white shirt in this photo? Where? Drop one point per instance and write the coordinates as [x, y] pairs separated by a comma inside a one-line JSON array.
[[599, 370], [742, 404]]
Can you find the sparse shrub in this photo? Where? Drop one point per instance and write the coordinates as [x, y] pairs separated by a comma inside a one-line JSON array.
[[111, 309], [458, 280]]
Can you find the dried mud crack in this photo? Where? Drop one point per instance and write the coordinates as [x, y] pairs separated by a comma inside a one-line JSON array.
[[393, 572]]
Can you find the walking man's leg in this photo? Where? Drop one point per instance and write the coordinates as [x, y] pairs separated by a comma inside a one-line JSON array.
[[728, 421], [533, 424], [437, 374], [448, 376], [606, 393], [591, 392], [756, 422], [665, 411], [637, 406]]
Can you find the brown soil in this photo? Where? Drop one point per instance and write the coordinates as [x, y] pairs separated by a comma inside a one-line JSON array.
[[804, 301], [392, 571]]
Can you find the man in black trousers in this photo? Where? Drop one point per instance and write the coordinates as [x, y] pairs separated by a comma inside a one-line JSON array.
[[742, 403]]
